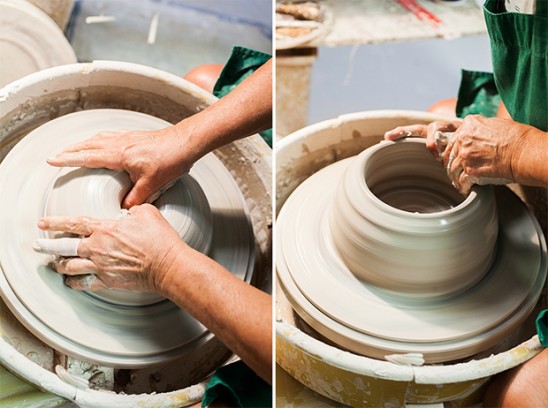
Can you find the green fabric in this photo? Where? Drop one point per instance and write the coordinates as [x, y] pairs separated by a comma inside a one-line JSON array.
[[238, 385], [478, 95], [519, 49], [542, 327], [241, 63]]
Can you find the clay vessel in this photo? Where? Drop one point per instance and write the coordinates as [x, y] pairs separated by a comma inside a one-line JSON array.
[[400, 225]]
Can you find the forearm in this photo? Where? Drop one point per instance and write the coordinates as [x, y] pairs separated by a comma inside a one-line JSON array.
[[237, 313], [530, 164], [244, 111]]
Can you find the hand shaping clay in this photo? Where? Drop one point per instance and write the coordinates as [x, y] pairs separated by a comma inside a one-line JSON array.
[[399, 224], [111, 328], [352, 240]]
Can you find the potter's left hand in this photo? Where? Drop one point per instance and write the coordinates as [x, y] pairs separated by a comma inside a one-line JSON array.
[[427, 132], [128, 254], [152, 159]]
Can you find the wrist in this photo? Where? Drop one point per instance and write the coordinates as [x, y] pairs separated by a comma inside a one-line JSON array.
[[194, 139], [528, 161], [165, 270]]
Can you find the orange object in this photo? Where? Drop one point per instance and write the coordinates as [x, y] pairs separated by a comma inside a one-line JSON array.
[[420, 12]]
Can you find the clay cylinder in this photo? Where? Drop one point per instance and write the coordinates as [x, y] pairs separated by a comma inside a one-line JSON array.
[[400, 225]]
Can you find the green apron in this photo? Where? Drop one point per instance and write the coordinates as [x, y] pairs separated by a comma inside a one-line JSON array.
[[519, 48], [242, 63]]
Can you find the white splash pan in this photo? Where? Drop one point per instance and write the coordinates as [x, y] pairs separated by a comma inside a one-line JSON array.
[[343, 376], [39, 97]]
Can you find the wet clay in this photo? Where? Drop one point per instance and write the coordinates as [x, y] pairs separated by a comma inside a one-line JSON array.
[[404, 266], [113, 328]]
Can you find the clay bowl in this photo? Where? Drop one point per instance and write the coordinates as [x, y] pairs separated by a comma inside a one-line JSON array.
[[400, 225]]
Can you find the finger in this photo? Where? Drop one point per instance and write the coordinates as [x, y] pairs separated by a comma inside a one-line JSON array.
[[75, 266], [139, 194], [85, 249], [450, 151], [406, 131], [57, 246], [440, 141], [92, 159], [74, 225], [161, 191], [85, 282], [143, 209], [98, 141], [456, 178], [466, 182], [455, 169]]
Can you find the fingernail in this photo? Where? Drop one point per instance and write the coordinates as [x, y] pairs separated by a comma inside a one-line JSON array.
[[41, 224], [51, 159]]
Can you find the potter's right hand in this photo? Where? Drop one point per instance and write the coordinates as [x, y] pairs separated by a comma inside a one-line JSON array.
[[153, 159], [131, 254], [425, 131]]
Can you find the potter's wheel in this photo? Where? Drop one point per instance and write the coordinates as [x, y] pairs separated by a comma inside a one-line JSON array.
[[111, 327], [375, 322]]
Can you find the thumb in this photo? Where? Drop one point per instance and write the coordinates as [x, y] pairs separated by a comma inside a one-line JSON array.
[[139, 194]]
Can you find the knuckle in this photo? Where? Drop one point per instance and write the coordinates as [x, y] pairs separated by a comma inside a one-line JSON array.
[[102, 228], [57, 265], [86, 157], [73, 282], [72, 223], [436, 125], [147, 207]]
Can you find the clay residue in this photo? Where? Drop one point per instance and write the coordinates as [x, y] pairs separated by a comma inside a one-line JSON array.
[[290, 175], [300, 10], [29, 115]]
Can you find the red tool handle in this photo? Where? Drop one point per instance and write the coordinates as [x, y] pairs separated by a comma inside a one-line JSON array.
[[420, 12]]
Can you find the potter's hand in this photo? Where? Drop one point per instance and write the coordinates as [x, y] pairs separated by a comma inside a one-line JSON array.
[[153, 159], [130, 254], [483, 151], [141, 252], [429, 132]]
